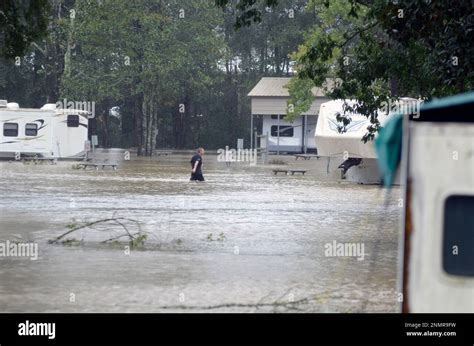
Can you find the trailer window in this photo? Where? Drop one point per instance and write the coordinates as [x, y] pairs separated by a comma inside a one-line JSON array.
[[31, 129], [10, 130], [73, 120], [458, 235], [285, 131]]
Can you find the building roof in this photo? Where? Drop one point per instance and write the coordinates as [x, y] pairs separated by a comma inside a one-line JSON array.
[[276, 87]]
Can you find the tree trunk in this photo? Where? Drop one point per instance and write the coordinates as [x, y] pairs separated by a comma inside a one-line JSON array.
[[138, 124], [154, 128], [149, 124], [67, 55], [145, 124]]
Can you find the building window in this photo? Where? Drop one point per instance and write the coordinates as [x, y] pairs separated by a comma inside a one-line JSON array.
[[285, 131], [31, 129], [274, 116], [73, 120], [10, 129], [458, 237]]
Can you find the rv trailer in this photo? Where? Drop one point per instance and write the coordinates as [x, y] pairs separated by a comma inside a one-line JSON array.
[[48, 132], [357, 159]]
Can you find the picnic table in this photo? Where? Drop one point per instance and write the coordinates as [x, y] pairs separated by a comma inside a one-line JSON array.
[[292, 171], [97, 165], [306, 156]]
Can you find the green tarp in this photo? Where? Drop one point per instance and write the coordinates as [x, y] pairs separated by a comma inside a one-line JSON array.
[[388, 145]]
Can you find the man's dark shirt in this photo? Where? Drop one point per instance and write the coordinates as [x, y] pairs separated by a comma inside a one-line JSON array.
[[197, 158]]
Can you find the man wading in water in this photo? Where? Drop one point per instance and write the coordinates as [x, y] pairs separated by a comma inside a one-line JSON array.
[[196, 163]]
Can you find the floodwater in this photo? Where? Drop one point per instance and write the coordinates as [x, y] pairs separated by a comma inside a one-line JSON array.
[[243, 241]]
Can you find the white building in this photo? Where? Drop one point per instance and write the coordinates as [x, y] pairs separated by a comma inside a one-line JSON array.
[[269, 108]]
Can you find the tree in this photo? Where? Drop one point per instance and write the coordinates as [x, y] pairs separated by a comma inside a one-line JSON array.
[[247, 11], [379, 50], [21, 22], [177, 71], [391, 49], [34, 51], [158, 53]]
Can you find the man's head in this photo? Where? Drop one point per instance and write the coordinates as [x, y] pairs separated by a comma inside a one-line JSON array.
[[200, 151]]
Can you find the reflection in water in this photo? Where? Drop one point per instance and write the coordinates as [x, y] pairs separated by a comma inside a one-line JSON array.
[[245, 240]]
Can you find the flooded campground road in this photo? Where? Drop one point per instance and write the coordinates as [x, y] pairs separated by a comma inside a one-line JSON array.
[[245, 240]]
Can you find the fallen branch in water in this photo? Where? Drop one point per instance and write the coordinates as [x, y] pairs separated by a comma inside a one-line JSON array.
[[135, 239], [292, 305]]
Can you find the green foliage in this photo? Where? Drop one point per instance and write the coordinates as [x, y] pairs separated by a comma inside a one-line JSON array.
[[147, 60], [301, 97], [72, 225], [147, 57], [21, 22], [384, 51], [37, 69], [247, 10], [138, 241]]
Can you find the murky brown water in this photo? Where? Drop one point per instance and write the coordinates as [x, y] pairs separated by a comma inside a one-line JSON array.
[[266, 251]]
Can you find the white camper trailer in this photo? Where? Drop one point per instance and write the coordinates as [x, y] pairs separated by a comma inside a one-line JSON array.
[[331, 143], [284, 136], [47, 132], [349, 152], [357, 159]]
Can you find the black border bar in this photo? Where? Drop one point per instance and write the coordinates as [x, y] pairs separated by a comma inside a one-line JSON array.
[[219, 329]]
